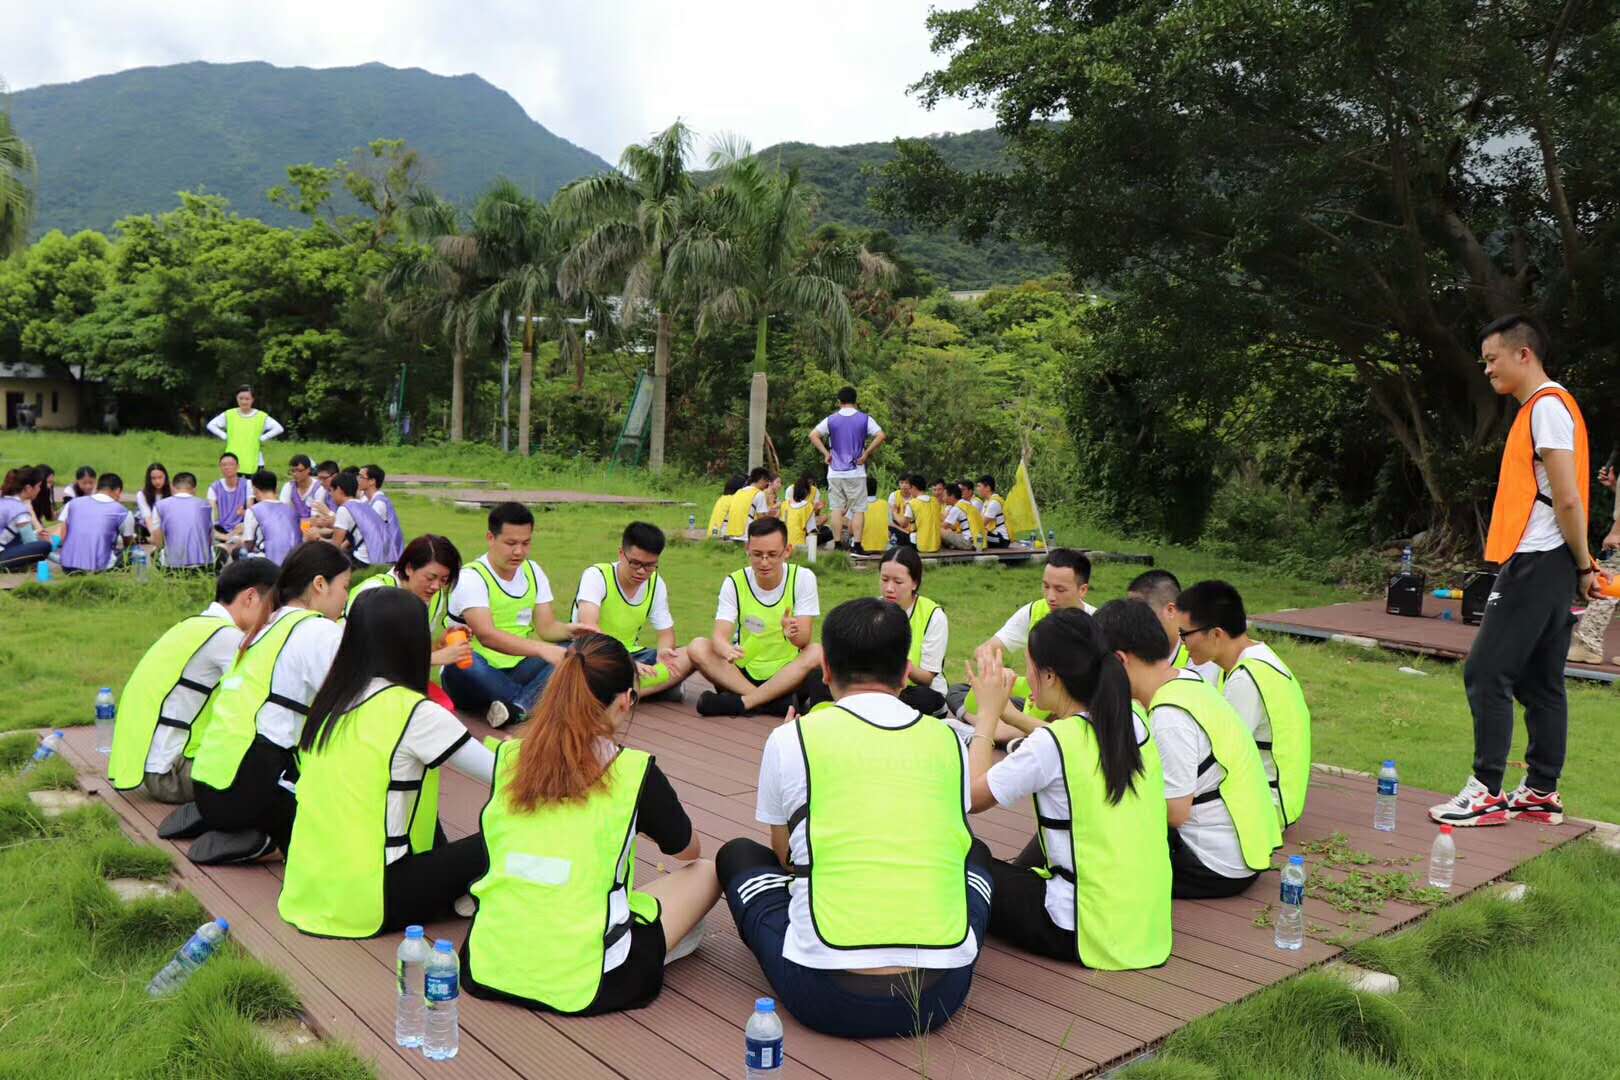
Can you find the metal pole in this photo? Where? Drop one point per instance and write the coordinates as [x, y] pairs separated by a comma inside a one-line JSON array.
[[506, 379]]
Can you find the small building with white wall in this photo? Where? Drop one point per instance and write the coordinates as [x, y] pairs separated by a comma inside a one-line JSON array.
[[54, 398]]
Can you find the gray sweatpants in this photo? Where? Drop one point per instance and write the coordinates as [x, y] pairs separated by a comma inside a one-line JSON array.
[[173, 786]]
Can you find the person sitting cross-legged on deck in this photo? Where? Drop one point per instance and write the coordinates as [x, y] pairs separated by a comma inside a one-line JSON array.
[[368, 855], [923, 513], [761, 651], [722, 507], [995, 518], [1094, 884], [183, 527], [955, 527], [874, 535], [94, 529], [748, 504], [561, 925], [1065, 581], [427, 568], [164, 709], [868, 909], [504, 598], [619, 598], [1256, 683], [900, 577], [356, 527], [902, 525], [1223, 827], [1159, 589], [801, 509]]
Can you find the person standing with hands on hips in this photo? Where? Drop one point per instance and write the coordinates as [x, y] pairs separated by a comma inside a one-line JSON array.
[[1587, 648], [849, 430], [244, 428], [1538, 536]]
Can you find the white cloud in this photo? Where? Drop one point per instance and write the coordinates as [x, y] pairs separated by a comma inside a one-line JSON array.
[[600, 73]]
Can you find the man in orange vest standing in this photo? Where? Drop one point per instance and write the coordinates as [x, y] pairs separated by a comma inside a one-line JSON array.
[[1538, 537]]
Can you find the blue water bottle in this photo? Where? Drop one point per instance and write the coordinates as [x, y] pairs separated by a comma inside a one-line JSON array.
[[764, 1037]]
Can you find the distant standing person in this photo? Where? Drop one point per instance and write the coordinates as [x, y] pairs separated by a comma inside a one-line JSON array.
[[1538, 536], [855, 437], [244, 428], [1587, 648]]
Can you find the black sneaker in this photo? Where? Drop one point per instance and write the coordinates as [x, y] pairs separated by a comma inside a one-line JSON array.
[[720, 703], [185, 822], [218, 848], [779, 707]]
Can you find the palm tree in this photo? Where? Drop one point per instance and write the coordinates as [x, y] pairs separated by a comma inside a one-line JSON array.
[[766, 266], [635, 224], [16, 186]]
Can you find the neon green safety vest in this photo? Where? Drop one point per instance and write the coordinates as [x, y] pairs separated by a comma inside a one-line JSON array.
[[922, 613], [766, 649], [241, 694], [1290, 745], [1142, 714], [618, 617], [1120, 854], [557, 867], [1244, 788], [888, 859], [160, 671], [1183, 658], [438, 609], [1038, 610], [511, 615], [333, 885], [242, 434]]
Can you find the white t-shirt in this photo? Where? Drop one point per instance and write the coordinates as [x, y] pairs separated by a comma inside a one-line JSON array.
[[783, 788], [1014, 633], [300, 669], [383, 505], [1208, 830], [936, 641], [806, 597], [1551, 428], [1244, 696], [855, 472], [955, 519], [995, 518], [593, 588], [1036, 768], [126, 528], [471, 591], [315, 496], [344, 519], [146, 511], [205, 668]]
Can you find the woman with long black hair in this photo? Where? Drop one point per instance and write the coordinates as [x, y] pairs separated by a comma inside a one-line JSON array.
[[1094, 886], [246, 769], [367, 854], [561, 925], [154, 490]]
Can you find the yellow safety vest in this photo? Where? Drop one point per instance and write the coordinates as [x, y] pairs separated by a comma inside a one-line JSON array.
[[717, 516], [737, 517], [242, 435], [925, 515], [875, 528], [798, 521], [157, 676]]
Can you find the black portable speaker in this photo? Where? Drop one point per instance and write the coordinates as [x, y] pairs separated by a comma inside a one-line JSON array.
[[1405, 594], [1476, 592]]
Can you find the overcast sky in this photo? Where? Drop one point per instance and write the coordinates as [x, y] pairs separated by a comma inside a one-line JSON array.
[[600, 73]]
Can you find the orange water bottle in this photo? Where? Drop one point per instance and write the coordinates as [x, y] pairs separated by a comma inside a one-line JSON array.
[[458, 637]]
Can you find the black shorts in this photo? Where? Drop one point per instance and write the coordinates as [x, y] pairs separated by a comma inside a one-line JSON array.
[[632, 985]]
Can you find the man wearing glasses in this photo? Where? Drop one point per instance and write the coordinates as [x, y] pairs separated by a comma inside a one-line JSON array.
[[619, 598], [761, 652], [1214, 628]]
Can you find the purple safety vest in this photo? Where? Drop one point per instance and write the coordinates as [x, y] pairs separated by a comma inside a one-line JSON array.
[[380, 543], [93, 529], [188, 531], [279, 531], [390, 520], [846, 439], [11, 508], [232, 504], [299, 503]]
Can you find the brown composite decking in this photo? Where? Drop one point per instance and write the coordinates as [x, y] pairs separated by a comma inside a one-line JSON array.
[[1430, 634], [1027, 1016]]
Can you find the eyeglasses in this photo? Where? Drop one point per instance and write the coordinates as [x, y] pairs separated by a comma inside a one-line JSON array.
[[637, 564], [1185, 634]]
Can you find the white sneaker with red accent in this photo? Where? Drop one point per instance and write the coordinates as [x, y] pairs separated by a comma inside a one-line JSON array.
[[1531, 805], [1474, 805]]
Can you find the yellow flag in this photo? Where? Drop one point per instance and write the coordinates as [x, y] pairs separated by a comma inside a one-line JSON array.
[[1019, 506]]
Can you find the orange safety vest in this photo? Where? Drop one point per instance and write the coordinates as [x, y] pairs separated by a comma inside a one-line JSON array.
[[1516, 490]]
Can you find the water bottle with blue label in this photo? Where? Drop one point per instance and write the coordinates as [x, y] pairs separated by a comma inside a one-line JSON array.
[[49, 747], [1290, 932], [442, 1037], [106, 717], [192, 955], [1389, 786], [764, 1038], [410, 1006]]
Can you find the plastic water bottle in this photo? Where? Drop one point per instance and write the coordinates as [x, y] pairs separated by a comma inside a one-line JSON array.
[[140, 561], [442, 988], [49, 747], [192, 955], [1389, 785], [1290, 932], [106, 717], [691, 521], [410, 1005], [1443, 859], [42, 571], [764, 1035], [1406, 559]]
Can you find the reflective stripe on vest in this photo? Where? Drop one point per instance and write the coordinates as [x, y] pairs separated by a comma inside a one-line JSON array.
[[242, 693], [333, 885], [617, 617], [925, 516], [1121, 854], [1244, 789], [157, 675], [1290, 746], [922, 614], [511, 615], [1516, 488], [766, 649], [564, 867], [888, 860], [242, 434]]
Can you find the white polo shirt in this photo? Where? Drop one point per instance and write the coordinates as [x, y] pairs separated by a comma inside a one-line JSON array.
[[1208, 830]]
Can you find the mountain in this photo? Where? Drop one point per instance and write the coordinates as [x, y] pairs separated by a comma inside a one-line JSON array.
[[126, 143], [840, 174]]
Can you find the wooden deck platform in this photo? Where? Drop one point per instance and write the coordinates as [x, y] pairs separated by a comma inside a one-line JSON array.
[[1365, 622], [474, 498], [1027, 1017], [415, 480]]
